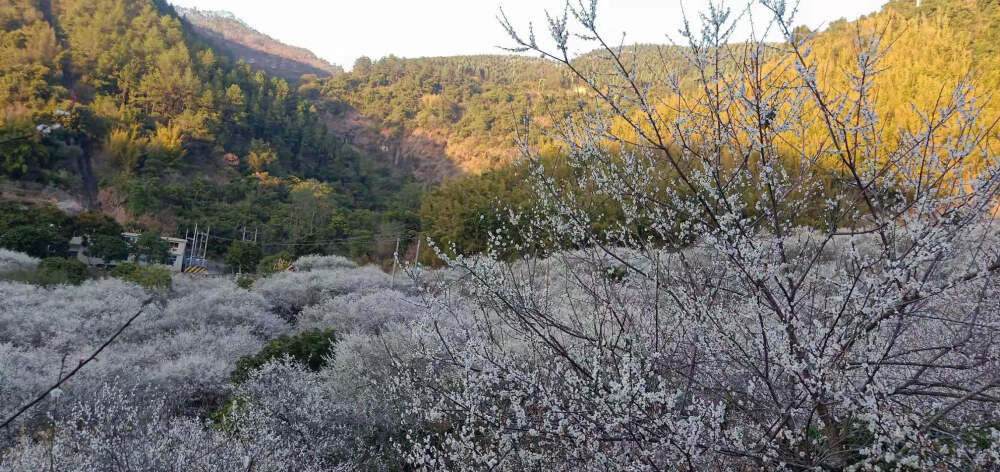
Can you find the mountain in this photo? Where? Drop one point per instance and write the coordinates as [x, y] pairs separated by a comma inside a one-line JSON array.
[[228, 33], [167, 128], [930, 47], [122, 103], [444, 116], [448, 116]]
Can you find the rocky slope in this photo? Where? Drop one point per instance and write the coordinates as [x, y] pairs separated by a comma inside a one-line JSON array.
[[224, 31]]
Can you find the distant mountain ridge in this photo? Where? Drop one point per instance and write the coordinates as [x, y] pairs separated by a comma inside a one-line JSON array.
[[445, 116], [227, 32]]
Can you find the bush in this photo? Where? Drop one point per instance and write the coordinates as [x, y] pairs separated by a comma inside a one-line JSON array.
[[245, 282], [290, 292], [317, 262], [274, 263], [109, 248], [35, 241], [243, 254], [58, 270], [360, 312], [12, 261], [152, 248], [180, 354], [311, 349], [150, 277]]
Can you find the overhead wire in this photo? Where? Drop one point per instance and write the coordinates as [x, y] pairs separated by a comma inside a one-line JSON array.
[[372, 238]]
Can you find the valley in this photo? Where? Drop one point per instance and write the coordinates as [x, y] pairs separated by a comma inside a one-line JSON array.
[[746, 251]]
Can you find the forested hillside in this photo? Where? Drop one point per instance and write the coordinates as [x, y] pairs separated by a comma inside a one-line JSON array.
[[120, 102], [927, 49], [165, 131], [226, 32], [444, 116], [465, 109]]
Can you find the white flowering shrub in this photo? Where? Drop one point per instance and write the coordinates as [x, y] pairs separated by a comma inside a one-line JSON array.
[[183, 284], [24, 373], [318, 262], [45, 331], [362, 370], [126, 432], [283, 400], [290, 292], [224, 305], [366, 312], [708, 330], [172, 366], [179, 354], [13, 261], [64, 317]]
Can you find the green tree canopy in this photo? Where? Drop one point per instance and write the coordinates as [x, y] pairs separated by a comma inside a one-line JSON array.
[[243, 254], [36, 241], [108, 247], [60, 270], [151, 248]]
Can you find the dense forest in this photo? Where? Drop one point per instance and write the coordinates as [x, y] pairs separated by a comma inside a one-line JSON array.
[[119, 101], [180, 133], [463, 109]]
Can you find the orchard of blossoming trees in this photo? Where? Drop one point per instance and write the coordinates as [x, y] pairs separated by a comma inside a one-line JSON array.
[[788, 286]]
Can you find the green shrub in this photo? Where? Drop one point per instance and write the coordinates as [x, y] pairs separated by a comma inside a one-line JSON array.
[[152, 248], [58, 270], [245, 282], [36, 241], [310, 348], [244, 255], [150, 277], [275, 263], [109, 248]]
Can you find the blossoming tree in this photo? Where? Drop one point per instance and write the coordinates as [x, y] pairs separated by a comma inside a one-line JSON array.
[[786, 289]]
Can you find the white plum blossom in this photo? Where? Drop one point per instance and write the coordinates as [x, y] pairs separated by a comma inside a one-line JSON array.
[[13, 261], [319, 262], [709, 330], [290, 292]]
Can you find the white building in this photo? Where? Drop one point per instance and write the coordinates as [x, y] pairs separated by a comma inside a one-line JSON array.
[[79, 251]]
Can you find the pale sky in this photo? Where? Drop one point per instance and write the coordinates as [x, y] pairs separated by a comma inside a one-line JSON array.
[[340, 31]]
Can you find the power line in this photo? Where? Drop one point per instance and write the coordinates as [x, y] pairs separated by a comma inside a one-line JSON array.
[[372, 238]]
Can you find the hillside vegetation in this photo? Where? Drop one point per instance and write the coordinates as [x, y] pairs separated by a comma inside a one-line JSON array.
[[119, 101], [927, 49], [444, 116], [720, 257], [467, 109]]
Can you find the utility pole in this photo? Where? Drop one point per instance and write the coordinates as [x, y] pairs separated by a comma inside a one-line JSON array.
[[395, 260], [195, 249], [416, 261], [204, 252], [416, 258]]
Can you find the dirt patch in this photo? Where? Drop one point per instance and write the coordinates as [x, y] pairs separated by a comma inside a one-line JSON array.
[[423, 154], [32, 193]]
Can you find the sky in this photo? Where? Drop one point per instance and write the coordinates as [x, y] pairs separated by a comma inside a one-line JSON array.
[[340, 31]]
